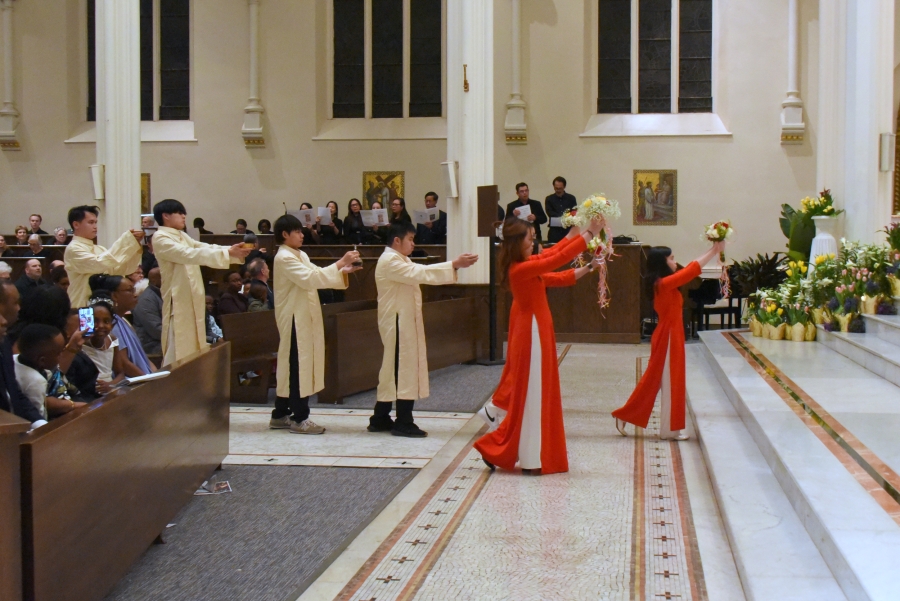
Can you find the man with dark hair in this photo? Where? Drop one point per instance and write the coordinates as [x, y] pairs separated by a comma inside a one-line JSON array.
[[35, 220], [433, 232], [31, 279], [240, 227], [184, 295], [83, 258], [11, 397], [404, 367], [537, 216], [200, 225], [258, 271], [557, 204]]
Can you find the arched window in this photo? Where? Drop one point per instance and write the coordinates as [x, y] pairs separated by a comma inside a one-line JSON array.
[[165, 60], [655, 56]]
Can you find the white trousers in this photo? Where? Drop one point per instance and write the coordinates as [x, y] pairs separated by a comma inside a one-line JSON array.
[[665, 407], [530, 436]]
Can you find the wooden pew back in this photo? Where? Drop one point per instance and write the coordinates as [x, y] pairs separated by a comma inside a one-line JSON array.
[[101, 483], [254, 347], [11, 428]]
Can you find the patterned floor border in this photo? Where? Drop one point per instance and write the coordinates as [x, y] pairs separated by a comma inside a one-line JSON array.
[[879, 480], [665, 557]]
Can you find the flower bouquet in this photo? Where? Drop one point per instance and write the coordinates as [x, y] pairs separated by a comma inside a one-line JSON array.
[[823, 206], [600, 249], [719, 232], [822, 280], [795, 295]]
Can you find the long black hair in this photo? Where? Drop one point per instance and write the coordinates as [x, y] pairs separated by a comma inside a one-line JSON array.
[[657, 267], [104, 282]]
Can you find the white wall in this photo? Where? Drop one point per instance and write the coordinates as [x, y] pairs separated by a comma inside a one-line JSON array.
[[745, 178]]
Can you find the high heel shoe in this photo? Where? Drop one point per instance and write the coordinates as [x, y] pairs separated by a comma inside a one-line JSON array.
[[620, 426]]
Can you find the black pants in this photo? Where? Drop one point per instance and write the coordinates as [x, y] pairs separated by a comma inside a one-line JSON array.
[[295, 405]]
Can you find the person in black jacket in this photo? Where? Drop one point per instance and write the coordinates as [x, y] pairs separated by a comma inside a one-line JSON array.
[[537, 216], [558, 203], [12, 400], [354, 230], [433, 232]]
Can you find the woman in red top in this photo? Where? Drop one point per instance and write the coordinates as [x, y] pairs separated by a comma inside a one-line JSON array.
[[665, 369], [532, 432]]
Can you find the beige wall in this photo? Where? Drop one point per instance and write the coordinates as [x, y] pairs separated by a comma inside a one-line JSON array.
[[216, 177], [745, 177]]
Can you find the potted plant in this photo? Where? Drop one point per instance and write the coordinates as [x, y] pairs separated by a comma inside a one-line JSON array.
[[825, 217], [822, 281], [795, 297]]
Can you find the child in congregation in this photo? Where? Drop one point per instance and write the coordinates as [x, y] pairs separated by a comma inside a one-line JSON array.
[[259, 297], [37, 370], [103, 346]]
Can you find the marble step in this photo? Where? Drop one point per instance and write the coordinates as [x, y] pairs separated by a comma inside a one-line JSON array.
[[773, 552], [886, 327], [855, 535], [870, 350]]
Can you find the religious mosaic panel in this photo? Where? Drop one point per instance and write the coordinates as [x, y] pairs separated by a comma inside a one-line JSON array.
[[655, 197]]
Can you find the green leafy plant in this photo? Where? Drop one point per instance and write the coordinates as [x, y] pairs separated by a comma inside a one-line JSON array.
[[893, 236], [799, 229], [765, 272]]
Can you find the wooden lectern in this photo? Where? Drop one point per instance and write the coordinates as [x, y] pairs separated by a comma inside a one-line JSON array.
[[488, 199]]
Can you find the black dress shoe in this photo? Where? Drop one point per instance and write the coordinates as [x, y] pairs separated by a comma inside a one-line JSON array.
[[380, 424], [489, 464], [408, 430]]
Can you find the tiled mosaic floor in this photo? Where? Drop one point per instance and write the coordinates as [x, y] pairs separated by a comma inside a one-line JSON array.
[[344, 444], [617, 526]]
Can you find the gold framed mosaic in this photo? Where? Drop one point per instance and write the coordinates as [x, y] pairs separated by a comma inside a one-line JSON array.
[[655, 195], [383, 187]]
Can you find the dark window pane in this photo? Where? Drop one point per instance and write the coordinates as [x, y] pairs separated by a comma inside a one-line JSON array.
[[349, 59], [695, 61], [387, 58], [175, 59], [614, 88], [92, 61], [655, 56], [425, 59], [146, 50]]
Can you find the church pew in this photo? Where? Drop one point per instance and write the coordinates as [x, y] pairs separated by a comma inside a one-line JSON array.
[[100, 483], [55, 252], [46, 239], [254, 347], [353, 349], [11, 429]]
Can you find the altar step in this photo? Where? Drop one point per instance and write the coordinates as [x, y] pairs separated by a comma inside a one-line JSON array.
[[878, 350], [794, 500], [773, 552]]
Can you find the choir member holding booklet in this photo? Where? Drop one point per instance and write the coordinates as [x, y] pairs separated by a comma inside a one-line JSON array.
[[301, 349]]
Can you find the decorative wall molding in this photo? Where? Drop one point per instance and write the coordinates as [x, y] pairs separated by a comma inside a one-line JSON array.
[[793, 129], [252, 130], [515, 127], [9, 114]]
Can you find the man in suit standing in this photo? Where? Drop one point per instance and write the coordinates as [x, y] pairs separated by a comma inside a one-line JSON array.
[[537, 216], [433, 232], [557, 204]]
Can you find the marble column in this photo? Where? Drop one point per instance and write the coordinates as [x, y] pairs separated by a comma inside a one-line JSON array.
[[792, 126], [867, 114], [9, 114], [252, 131], [515, 126], [832, 96], [119, 114], [470, 125]]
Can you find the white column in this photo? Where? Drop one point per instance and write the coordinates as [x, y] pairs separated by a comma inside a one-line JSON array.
[[252, 131], [119, 113], [792, 126], [832, 96], [9, 115], [470, 125], [870, 92], [515, 126]]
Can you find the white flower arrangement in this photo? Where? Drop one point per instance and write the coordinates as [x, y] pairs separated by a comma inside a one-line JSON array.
[[593, 207]]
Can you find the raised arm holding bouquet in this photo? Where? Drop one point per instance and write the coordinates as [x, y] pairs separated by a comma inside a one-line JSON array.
[[599, 210], [721, 231]]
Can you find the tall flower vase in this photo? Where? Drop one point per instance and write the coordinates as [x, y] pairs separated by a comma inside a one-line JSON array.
[[824, 243]]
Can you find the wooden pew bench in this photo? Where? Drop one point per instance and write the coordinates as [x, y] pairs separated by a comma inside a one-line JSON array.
[[100, 483], [254, 347], [11, 429]]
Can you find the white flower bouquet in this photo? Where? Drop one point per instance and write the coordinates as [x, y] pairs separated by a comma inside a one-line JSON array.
[[600, 249], [720, 231]]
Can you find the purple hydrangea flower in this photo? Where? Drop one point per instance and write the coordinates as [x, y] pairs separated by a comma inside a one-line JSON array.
[[872, 287], [857, 326], [833, 304], [851, 305], [829, 326], [886, 309]]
